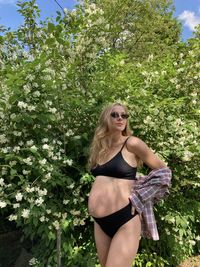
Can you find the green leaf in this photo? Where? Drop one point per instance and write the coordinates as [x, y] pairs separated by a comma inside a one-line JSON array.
[[51, 27]]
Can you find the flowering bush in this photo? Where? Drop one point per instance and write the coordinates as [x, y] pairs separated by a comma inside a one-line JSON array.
[[54, 80]]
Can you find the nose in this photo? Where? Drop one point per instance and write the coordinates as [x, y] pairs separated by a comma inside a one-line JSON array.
[[119, 118]]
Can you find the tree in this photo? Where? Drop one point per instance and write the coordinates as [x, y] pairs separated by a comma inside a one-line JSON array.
[[55, 77]]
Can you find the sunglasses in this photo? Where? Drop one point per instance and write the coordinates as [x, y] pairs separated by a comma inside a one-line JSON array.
[[116, 115]]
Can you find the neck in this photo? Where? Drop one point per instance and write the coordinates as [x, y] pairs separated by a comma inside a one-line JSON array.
[[116, 139]]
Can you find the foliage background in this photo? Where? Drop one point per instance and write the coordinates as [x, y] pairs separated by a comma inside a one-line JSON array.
[[55, 79]]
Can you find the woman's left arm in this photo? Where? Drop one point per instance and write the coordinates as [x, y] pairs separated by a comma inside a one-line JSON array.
[[140, 148]]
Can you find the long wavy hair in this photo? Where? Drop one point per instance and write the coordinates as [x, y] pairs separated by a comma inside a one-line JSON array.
[[101, 142]]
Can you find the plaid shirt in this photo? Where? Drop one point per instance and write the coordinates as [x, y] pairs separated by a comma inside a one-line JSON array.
[[147, 191]]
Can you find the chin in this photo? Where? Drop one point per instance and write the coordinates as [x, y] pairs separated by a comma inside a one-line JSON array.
[[120, 128]]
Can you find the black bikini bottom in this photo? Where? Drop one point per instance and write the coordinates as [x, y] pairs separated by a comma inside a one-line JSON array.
[[112, 222]]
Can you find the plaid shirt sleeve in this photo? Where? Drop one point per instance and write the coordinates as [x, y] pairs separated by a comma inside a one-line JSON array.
[[147, 191]]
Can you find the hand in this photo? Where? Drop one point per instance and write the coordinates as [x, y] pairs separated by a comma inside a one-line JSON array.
[[132, 210]]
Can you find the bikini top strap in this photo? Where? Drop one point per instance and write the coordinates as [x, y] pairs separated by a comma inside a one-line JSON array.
[[124, 143]]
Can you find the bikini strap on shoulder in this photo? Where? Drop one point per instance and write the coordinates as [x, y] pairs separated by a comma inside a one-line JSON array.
[[125, 142]]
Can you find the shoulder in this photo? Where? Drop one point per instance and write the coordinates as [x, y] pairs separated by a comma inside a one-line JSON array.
[[134, 142], [137, 146]]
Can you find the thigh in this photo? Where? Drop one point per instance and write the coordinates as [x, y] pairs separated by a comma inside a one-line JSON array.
[[125, 243], [102, 241]]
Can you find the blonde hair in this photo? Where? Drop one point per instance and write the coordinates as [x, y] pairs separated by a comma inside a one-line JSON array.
[[101, 141]]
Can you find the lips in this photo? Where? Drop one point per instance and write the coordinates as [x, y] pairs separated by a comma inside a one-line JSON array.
[[119, 124]]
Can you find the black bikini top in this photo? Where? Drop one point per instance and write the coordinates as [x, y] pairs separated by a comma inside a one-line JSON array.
[[116, 167]]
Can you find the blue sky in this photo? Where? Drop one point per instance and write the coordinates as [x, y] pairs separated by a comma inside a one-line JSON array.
[[188, 12]]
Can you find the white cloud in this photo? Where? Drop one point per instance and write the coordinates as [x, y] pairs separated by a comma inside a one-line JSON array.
[[190, 19], [7, 2]]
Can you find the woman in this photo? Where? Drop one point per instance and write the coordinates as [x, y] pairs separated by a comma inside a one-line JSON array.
[[114, 158]]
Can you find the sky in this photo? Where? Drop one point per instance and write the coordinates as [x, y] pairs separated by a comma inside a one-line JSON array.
[[187, 11]]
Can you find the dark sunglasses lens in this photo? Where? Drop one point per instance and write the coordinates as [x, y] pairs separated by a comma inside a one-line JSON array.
[[116, 115], [124, 116]]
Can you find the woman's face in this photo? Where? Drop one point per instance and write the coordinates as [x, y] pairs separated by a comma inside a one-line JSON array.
[[118, 119]]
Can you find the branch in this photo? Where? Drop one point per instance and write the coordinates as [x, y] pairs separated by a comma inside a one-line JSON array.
[[60, 6]]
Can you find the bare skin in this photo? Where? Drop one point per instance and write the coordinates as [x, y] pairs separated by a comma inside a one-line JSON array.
[[122, 248]]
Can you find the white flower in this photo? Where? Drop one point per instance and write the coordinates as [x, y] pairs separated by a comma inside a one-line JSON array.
[[45, 146], [36, 85], [65, 201], [25, 213], [71, 186], [13, 116], [22, 104], [59, 142], [42, 192], [12, 217], [43, 161], [187, 156], [4, 150], [21, 143], [2, 182], [150, 57], [3, 139], [56, 225], [77, 137], [30, 77], [52, 110], [3, 204], [16, 205], [26, 172], [48, 62], [39, 201], [18, 196], [172, 220], [198, 237], [30, 189], [48, 102], [65, 11], [64, 86], [69, 132], [163, 72], [47, 78], [16, 149], [147, 120], [29, 143], [64, 215], [31, 108], [13, 163], [69, 162], [58, 214], [4, 171], [45, 140], [28, 161], [36, 93], [34, 148], [180, 70], [33, 261], [192, 242], [16, 133], [42, 219], [2, 116], [48, 175], [27, 88]]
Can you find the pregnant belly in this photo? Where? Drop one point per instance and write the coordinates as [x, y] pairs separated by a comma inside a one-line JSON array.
[[108, 195]]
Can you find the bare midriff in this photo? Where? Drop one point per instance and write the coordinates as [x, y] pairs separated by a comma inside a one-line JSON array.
[[109, 194]]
